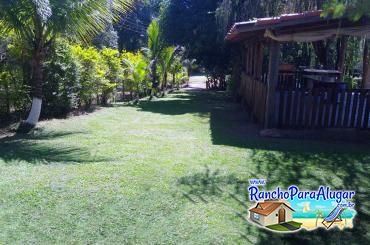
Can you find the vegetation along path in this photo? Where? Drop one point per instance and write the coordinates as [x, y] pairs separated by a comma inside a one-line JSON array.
[[170, 171]]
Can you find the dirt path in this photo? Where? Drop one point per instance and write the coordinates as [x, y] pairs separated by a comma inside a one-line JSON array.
[[197, 82]]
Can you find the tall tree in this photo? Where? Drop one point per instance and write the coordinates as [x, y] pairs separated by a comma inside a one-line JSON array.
[[37, 23], [192, 24], [153, 51], [133, 24]]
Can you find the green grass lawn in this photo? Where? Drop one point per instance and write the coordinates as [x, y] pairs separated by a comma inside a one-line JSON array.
[[170, 171], [277, 227]]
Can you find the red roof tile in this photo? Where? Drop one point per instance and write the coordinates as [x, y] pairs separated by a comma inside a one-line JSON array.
[[266, 208]]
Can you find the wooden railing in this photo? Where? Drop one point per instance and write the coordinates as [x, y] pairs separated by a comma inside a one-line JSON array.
[[290, 80], [323, 108]]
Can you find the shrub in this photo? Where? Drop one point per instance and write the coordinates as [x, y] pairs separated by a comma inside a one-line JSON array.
[[62, 81]]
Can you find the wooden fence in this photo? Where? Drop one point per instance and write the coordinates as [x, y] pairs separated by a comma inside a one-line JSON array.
[[323, 108], [253, 92]]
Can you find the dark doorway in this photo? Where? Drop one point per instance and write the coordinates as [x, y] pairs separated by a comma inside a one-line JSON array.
[[281, 215]]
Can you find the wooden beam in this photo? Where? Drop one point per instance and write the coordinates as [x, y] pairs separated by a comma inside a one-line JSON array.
[[272, 81]]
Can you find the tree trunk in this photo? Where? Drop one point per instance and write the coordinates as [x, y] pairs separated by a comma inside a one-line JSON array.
[[319, 4], [366, 67], [7, 97], [34, 115], [36, 92], [123, 90], [321, 53], [341, 50], [164, 85], [153, 77], [173, 80]]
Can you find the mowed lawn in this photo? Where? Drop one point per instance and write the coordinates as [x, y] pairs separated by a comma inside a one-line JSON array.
[[169, 171]]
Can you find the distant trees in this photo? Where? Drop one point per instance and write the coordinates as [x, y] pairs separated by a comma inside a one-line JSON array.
[[192, 24], [354, 8], [132, 27]]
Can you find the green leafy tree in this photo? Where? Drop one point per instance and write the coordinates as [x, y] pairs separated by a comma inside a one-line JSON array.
[[93, 74], [192, 24], [62, 80], [353, 8], [13, 90], [37, 23], [112, 59], [134, 24]]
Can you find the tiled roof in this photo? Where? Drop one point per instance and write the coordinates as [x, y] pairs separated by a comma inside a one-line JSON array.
[[266, 208]]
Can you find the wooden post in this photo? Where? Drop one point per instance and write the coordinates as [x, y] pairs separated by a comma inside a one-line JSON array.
[[272, 80], [259, 61], [246, 59], [342, 56]]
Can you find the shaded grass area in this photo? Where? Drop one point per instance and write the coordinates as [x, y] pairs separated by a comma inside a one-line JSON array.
[[174, 170], [295, 224], [44, 148]]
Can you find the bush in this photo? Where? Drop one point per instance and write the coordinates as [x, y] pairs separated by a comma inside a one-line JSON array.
[[114, 72], [62, 81], [135, 73]]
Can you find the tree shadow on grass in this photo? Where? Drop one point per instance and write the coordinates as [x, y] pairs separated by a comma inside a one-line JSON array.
[[232, 126], [283, 162], [38, 148], [193, 102], [345, 170], [341, 171]]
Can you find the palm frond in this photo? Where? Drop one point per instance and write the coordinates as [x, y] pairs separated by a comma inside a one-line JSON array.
[[80, 19], [85, 19], [155, 42]]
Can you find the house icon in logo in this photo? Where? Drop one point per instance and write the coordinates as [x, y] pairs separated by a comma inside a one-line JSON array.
[[271, 212]]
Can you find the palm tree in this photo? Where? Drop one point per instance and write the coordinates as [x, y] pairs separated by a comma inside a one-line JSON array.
[[166, 59], [135, 73], [153, 51], [175, 69], [319, 214], [37, 23]]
